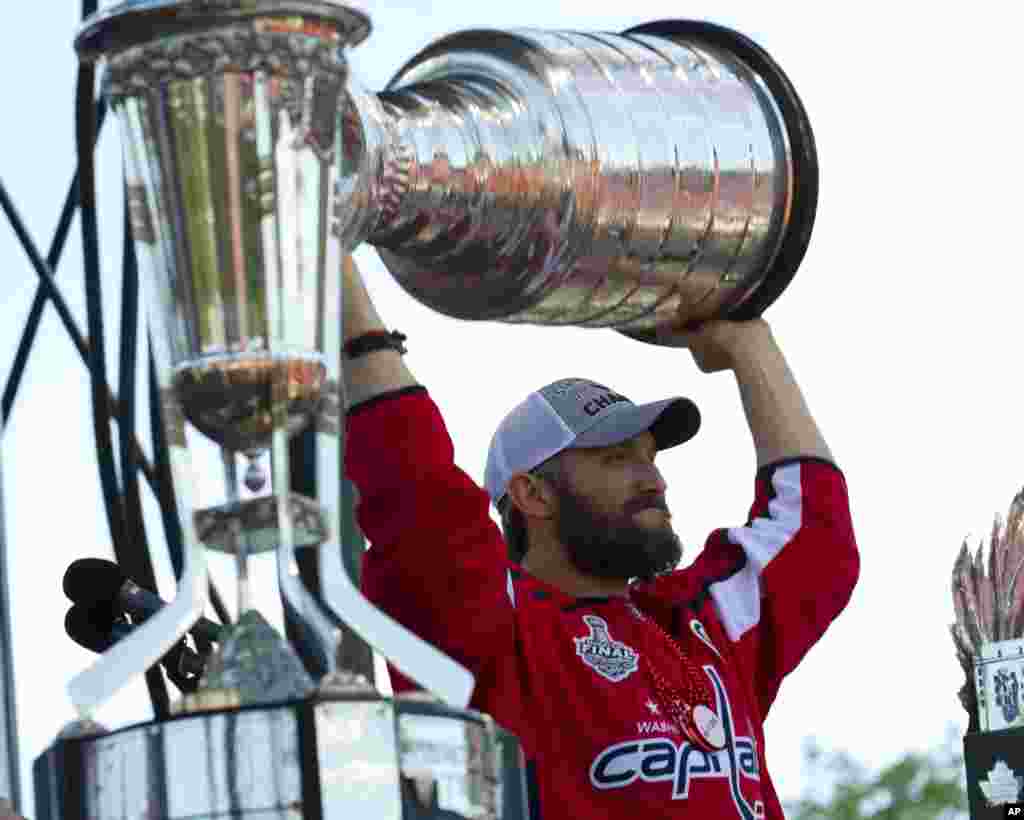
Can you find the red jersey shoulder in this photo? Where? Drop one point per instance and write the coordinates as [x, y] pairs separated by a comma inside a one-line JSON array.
[[688, 587]]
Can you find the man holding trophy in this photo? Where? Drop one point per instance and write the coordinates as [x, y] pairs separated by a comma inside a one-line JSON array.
[[634, 688], [661, 182]]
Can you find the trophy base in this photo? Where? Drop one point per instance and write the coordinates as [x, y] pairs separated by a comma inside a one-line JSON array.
[[253, 665], [995, 771], [362, 756]]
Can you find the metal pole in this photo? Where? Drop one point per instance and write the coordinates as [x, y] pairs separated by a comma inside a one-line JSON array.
[[10, 760]]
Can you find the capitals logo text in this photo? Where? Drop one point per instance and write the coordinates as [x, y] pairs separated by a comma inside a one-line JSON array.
[[661, 759]]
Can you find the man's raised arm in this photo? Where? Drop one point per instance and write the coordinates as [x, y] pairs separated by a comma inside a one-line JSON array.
[[435, 554], [779, 420], [380, 371], [796, 560]]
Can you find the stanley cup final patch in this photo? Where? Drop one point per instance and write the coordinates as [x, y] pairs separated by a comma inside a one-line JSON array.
[[611, 659]]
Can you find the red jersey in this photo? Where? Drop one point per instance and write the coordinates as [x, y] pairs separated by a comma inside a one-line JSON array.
[[569, 676]]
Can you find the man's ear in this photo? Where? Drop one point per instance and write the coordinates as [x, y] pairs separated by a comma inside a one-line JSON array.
[[531, 496]]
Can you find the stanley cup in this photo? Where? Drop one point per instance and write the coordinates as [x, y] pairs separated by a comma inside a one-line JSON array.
[[558, 178]]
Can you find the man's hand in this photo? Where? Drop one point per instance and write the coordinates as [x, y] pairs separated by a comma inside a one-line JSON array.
[[719, 344], [780, 423]]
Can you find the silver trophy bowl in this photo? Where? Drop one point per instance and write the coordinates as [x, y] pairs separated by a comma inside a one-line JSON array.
[[664, 175]]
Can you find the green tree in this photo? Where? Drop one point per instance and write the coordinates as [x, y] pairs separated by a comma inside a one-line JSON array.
[[919, 786]]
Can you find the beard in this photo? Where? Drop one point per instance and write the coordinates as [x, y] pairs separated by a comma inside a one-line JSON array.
[[614, 546]]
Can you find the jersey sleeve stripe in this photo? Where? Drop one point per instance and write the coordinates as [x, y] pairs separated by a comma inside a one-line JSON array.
[[738, 598]]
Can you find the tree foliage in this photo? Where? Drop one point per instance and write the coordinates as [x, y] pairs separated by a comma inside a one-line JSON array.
[[919, 786]]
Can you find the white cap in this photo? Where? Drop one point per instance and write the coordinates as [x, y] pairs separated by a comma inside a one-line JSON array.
[[579, 413]]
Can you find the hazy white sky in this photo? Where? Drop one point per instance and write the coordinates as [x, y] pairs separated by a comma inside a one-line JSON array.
[[902, 327]]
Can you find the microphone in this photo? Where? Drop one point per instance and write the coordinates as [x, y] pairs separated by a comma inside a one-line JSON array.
[[98, 628], [94, 581]]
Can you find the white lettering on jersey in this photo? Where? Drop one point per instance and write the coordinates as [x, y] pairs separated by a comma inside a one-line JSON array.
[[661, 759], [654, 727]]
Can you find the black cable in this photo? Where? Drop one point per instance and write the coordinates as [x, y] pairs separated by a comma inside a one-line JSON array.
[[137, 561], [53, 256], [126, 388], [162, 467], [94, 307], [85, 135]]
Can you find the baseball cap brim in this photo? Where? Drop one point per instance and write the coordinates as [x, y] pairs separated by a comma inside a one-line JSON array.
[[671, 421]]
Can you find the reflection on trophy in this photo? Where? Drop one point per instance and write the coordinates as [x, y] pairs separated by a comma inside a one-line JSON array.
[[988, 599], [627, 181]]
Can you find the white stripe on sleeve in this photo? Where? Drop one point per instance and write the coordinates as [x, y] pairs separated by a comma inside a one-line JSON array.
[[738, 597]]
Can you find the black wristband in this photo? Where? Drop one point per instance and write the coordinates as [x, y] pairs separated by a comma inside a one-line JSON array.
[[374, 340]]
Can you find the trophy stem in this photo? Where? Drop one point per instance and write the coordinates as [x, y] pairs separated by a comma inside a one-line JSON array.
[[252, 664], [238, 536]]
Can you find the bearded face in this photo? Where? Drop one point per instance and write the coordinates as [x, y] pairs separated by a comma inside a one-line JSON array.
[[615, 546]]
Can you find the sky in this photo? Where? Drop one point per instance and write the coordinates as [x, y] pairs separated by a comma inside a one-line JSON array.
[[901, 327]]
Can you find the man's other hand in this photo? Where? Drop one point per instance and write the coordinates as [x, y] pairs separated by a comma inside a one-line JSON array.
[[717, 344]]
